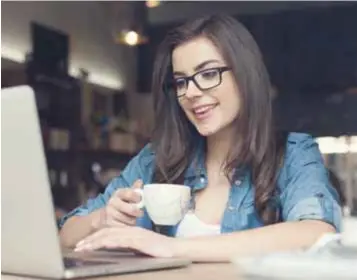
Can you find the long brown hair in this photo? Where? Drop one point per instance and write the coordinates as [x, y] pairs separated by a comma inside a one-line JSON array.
[[256, 147]]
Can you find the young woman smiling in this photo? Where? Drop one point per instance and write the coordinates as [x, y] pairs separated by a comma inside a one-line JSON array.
[[255, 190]]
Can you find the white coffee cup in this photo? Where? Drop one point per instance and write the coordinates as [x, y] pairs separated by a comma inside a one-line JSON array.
[[349, 231], [166, 204]]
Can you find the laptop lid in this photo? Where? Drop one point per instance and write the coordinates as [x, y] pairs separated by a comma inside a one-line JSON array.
[[30, 243]]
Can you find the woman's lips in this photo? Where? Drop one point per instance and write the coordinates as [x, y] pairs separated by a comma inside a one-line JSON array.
[[203, 112]]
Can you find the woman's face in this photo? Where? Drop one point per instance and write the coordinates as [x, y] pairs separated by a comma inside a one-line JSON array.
[[215, 105]]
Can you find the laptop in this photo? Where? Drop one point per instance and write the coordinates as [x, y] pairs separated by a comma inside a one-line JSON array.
[[29, 239]]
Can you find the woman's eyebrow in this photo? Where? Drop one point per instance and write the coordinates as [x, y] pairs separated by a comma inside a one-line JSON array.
[[178, 73], [205, 63], [198, 67]]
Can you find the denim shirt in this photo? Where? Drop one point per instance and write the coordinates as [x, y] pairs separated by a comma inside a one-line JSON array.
[[305, 192]]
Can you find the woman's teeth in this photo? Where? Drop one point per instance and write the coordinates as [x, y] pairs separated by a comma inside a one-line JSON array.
[[204, 111]]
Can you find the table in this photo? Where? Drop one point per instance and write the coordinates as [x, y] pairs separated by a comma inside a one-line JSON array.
[[195, 271], [211, 271]]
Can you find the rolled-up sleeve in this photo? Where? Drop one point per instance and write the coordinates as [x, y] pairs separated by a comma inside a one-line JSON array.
[[137, 168], [307, 193]]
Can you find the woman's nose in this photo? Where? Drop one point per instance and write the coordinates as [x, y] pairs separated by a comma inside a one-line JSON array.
[[193, 91]]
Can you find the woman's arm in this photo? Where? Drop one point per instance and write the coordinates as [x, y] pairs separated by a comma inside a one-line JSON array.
[[285, 236], [78, 227], [86, 219]]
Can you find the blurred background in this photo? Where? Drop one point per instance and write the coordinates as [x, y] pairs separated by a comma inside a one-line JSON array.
[[90, 64]]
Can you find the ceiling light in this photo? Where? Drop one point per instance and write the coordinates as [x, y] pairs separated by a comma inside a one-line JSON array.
[[131, 38], [152, 3]]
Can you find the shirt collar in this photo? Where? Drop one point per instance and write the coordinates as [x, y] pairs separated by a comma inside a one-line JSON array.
[[197, 165]]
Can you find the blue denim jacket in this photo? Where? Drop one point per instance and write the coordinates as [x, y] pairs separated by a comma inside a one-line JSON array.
[[305, 190]]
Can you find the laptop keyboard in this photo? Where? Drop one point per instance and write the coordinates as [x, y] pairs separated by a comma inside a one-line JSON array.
[[73, 262]]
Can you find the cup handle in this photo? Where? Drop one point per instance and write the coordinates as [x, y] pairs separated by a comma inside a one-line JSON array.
[[140, 204]]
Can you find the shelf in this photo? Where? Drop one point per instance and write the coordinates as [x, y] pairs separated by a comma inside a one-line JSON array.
[[106, 158], [98, 152], [88, 156]]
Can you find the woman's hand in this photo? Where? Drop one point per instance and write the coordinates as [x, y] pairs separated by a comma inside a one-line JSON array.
[[135, 238], [121, 209]]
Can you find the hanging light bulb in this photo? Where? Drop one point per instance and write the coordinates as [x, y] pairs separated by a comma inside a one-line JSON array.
[[131, 38], [131, 22]]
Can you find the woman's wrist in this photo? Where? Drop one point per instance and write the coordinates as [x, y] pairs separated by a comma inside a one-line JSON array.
[[97, 219], [178, 247]]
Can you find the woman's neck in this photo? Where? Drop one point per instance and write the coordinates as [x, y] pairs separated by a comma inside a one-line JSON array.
[[218, 146]]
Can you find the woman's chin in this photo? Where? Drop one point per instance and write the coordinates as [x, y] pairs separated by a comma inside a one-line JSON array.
[[206, 130]]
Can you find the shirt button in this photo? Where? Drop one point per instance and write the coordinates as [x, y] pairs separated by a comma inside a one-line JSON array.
[[202, 179], [230, 208], [238, 182]]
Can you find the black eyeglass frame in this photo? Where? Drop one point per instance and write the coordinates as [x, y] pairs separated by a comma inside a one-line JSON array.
[[192, 78]]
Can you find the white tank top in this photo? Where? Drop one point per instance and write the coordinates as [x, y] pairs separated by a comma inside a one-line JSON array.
[[191, 226]]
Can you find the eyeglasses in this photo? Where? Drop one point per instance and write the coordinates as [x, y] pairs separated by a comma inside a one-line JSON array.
[[203, 80]]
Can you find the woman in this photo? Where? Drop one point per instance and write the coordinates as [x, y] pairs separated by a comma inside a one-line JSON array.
[[214, 133]]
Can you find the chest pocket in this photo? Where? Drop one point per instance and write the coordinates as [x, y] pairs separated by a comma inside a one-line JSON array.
[[248, 215], [242, 216]]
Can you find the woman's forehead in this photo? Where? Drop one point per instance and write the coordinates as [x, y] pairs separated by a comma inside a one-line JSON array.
[[187, 56]]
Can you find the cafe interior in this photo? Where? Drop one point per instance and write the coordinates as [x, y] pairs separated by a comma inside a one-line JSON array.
[[90, 64]]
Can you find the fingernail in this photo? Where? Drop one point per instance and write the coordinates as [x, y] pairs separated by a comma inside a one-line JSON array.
[[79, 247], [86, 247]]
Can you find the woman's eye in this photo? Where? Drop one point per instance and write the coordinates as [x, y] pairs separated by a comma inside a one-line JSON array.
[[210, 74], [180, 83]]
